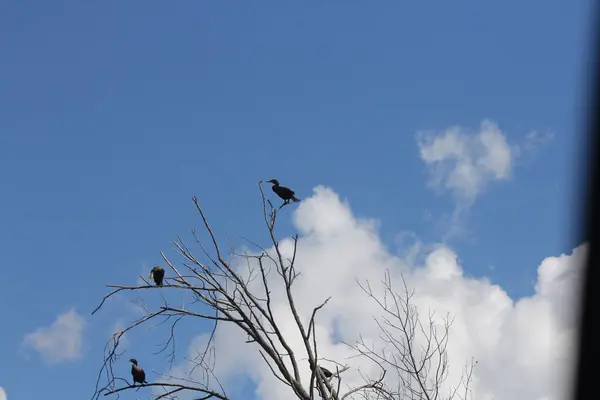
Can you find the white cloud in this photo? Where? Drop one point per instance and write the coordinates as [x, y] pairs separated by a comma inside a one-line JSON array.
[[535, 140], [2, 394], [464, 162], [523, 346], [59, 342]]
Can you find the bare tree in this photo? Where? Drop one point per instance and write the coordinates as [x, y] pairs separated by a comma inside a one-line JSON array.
[[221, 294], [216, 289], [415, 351]]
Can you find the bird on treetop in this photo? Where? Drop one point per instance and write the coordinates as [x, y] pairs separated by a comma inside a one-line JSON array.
[[285, 193], [157, 274], [138, 373]]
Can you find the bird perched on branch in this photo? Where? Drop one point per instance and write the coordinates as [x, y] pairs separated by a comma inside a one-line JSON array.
[[138, 373], [157, 274], [285, 193], [328, 374]]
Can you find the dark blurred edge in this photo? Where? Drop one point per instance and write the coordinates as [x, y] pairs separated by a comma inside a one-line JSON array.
[[586, 379]]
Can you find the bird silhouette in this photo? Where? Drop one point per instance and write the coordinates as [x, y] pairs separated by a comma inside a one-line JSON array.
[[138, 373], [326, 372], [285, 193], [157, 274]]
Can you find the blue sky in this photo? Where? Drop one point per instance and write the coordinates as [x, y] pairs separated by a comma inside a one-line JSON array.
[[112, 115]]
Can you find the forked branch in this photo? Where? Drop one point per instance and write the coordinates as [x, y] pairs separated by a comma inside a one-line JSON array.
[[214, 288]]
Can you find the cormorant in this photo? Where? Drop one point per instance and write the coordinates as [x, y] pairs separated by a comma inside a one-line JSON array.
[[286, 194], [326, 372], [157, 274], [138, 374]]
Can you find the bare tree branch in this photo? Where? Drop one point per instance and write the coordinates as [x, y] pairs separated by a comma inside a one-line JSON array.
[[237, 290], [421, 370]]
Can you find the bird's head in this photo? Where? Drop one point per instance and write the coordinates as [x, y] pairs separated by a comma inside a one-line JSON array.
[[155, 270], [274, 181], [133, 361]]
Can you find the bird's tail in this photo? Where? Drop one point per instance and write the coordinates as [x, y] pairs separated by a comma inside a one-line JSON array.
[[295, 199]]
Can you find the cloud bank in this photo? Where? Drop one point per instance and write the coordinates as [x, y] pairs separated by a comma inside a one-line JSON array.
[[61, 341], [2, 394], [524, 347]]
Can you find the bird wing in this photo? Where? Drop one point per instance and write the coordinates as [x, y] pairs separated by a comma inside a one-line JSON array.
[[286, 192]]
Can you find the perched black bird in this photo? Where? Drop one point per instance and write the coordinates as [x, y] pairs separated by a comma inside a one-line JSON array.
[[157, 274], [326, 372], [139, 375], [286, 194]]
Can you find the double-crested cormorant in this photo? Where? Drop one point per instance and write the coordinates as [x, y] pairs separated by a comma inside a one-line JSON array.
[[326, 372], [139, 376], [157, 274], [286, 194]]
